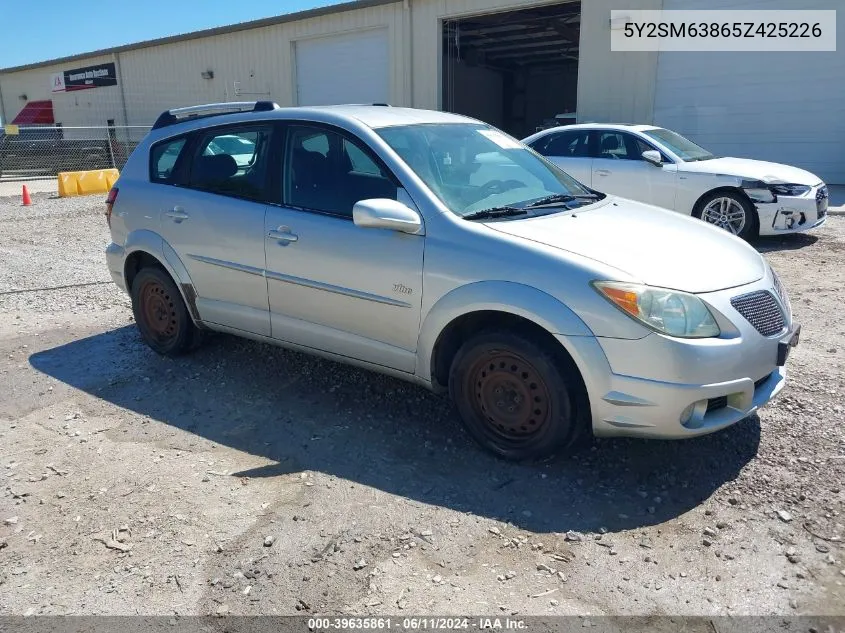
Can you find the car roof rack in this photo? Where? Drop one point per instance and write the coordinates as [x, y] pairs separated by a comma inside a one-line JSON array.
[[178, 115]]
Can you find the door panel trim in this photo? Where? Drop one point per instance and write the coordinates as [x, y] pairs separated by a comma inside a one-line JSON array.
[[243, 317], [250, 270], [340, 290], [341, 343], [339, 358], [299, 281]]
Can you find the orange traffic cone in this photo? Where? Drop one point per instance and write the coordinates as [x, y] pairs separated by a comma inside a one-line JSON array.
[[26, 199]]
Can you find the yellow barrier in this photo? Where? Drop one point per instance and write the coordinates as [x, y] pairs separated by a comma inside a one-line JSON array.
[[83, 183]]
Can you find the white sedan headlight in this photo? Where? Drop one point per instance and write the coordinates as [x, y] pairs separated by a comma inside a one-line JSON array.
[[758, 191], [789, 190], [667, 311]]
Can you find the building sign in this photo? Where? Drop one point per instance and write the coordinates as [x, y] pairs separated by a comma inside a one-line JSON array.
[[58, 82], [84, 78]]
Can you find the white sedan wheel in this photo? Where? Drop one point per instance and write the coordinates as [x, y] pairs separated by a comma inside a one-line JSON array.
[[726, 213]]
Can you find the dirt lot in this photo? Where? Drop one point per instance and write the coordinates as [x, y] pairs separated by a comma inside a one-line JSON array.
[[248, 479]]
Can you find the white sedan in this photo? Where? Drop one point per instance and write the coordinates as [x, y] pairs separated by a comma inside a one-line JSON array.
[[240, 148], [660, 167]]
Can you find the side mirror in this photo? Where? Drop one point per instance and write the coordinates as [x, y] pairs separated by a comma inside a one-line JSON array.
[[384, 213], [654, 157]]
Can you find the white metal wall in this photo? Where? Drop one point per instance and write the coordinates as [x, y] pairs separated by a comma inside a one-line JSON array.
[[781, 107], [79, 107], [260, 60], [611, 86], [169, 75]]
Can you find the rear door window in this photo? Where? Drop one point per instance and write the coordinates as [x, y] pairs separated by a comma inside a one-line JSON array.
[[572, 144], [233, 162]]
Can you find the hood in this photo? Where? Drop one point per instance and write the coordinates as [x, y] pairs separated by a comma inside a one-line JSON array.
[[657, 247], [753, 169]]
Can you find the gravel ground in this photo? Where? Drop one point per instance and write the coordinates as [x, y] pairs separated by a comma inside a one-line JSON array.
[[246, 479]]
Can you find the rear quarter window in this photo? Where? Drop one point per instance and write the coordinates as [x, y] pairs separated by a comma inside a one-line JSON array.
[[163, 158]]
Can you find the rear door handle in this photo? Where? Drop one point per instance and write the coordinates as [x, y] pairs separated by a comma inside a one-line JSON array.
[[177, 214], [282, 235], [603, 172]]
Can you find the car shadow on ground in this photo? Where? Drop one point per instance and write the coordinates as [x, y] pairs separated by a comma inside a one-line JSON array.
[[305, 413], [791, 242]]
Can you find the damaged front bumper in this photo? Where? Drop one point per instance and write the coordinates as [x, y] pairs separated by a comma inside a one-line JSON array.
[[793, 214]]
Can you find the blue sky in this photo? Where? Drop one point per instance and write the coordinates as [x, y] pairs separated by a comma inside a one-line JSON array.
[[66, 29]]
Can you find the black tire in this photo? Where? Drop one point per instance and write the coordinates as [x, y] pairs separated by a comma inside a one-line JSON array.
[[161, 315], [515, 397], [751, 226]]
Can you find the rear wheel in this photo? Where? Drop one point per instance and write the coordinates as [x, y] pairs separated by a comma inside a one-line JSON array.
[[730, 211], [160, 313], [515, 398]]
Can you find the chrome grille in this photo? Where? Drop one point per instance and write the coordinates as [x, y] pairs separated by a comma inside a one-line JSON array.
[[784, 298], [761, 310]]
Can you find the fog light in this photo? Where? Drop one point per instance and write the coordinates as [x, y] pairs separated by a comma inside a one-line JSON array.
[[686, 414]]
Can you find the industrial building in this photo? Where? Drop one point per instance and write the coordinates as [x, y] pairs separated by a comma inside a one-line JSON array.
[[517, 64]]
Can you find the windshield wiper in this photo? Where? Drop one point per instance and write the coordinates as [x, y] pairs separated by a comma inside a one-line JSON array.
[[495, 212], [560, 198]]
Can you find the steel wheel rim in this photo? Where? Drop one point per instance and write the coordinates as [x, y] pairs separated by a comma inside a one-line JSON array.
[[509, 396], [726, 213], [158, 309]]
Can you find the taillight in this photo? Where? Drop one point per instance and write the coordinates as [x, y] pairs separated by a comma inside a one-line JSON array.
[[110, 200]]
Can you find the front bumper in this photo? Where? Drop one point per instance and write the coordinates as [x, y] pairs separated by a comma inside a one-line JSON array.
[[670, 388], [793, 214], [659, 406]]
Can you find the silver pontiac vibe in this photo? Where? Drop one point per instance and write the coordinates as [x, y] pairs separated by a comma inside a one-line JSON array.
[[437, 249]]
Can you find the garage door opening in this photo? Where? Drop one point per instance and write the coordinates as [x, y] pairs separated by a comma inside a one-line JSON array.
[[517, 70]]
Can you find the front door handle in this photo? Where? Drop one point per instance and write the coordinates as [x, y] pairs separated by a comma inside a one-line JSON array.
[[603, 172], [176, 214], [282, 235]]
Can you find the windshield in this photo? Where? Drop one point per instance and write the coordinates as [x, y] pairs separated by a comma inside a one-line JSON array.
[[682, 147], [473, 167]]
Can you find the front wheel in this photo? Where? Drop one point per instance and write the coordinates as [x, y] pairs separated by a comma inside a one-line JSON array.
[[514, 396], [730, 211]]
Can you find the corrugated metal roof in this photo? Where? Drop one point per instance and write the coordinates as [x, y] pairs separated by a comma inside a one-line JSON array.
[[220, 30]]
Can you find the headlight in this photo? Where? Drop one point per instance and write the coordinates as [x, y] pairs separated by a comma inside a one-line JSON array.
[[758, 191], [789, 190], [668, 311]]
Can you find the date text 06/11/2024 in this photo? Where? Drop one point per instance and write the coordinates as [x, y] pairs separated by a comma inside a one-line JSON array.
[[414, 623]]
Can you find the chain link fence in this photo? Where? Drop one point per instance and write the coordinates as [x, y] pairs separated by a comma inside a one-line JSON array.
[[42, 151]]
